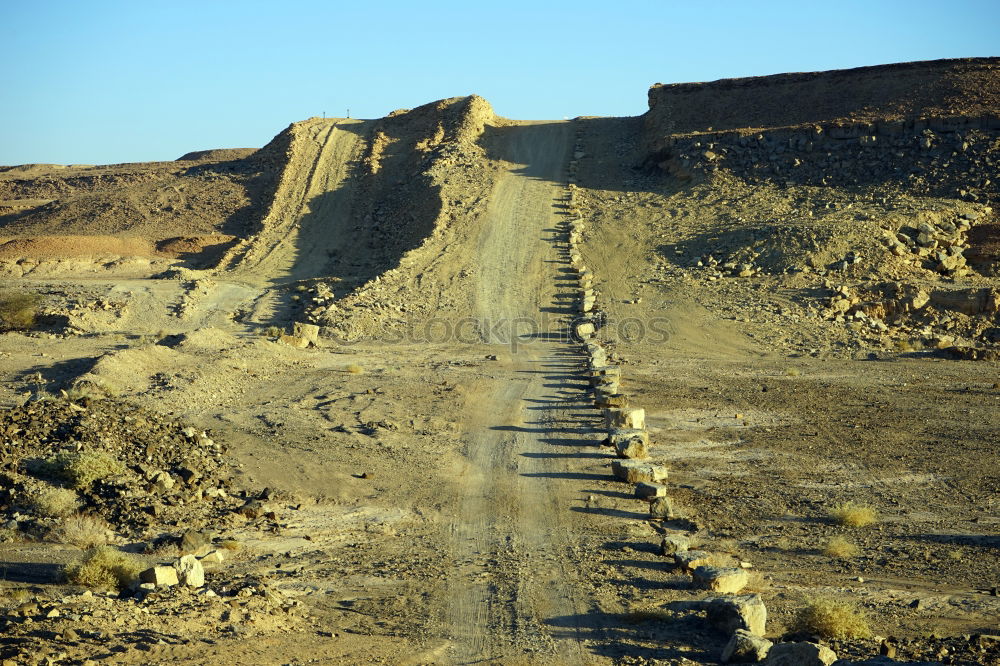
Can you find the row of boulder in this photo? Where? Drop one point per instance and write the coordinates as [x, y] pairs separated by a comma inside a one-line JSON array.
[[743, 617]]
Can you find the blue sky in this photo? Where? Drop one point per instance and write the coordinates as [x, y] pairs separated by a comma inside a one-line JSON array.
[[100, 81]]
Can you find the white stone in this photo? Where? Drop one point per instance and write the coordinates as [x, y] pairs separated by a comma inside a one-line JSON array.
[[159, 576], [727, 614], [745, 648], [726, 580], [800, 654], [644, 490], [190, 572]]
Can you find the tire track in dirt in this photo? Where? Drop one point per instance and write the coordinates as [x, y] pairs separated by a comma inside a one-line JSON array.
[[310, 214], [318, 165], [515, 596]]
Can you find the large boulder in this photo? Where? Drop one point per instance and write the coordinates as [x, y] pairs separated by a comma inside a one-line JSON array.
[[159, 576], [726, 580], [691, 559], [800, 654], [662, 508], [636, 471], [674, 543], [607, 385], [584, 330], [605, 400], [745, 648], [617, 417], [727, 614], [649, 491], [629, 443], [308, 332], [190, 571]]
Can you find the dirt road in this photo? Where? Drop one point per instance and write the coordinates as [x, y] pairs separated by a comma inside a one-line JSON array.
[[310, 211], [514, 533], [309, 217]]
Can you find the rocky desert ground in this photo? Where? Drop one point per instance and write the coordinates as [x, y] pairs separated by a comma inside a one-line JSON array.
[[713, 384]]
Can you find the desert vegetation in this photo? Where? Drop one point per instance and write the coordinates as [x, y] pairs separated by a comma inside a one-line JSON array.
[[104, 568], [831, 618], [852, 514], [19, 310]]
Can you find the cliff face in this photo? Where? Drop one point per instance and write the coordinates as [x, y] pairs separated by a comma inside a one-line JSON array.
[[968, 88], [932, 128]]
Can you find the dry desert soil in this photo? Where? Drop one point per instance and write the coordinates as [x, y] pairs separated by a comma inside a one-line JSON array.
[[357, 374]]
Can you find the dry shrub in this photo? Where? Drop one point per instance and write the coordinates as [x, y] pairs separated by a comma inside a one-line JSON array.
[[840, 547], [272, 332], [166, 549], [726, 546], [830, 618], [852, 514], [18, 310], [104, 567], [80, 470], [18, 594], [53, 502], [640, 615], [83, 531], [355, 369], [84, 392]]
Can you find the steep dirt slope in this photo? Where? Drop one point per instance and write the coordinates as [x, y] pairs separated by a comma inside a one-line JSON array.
[[423, 186], [309, 217], [359, 204]]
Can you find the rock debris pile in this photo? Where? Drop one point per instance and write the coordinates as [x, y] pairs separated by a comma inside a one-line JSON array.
[[141, 472], [935, 157]]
